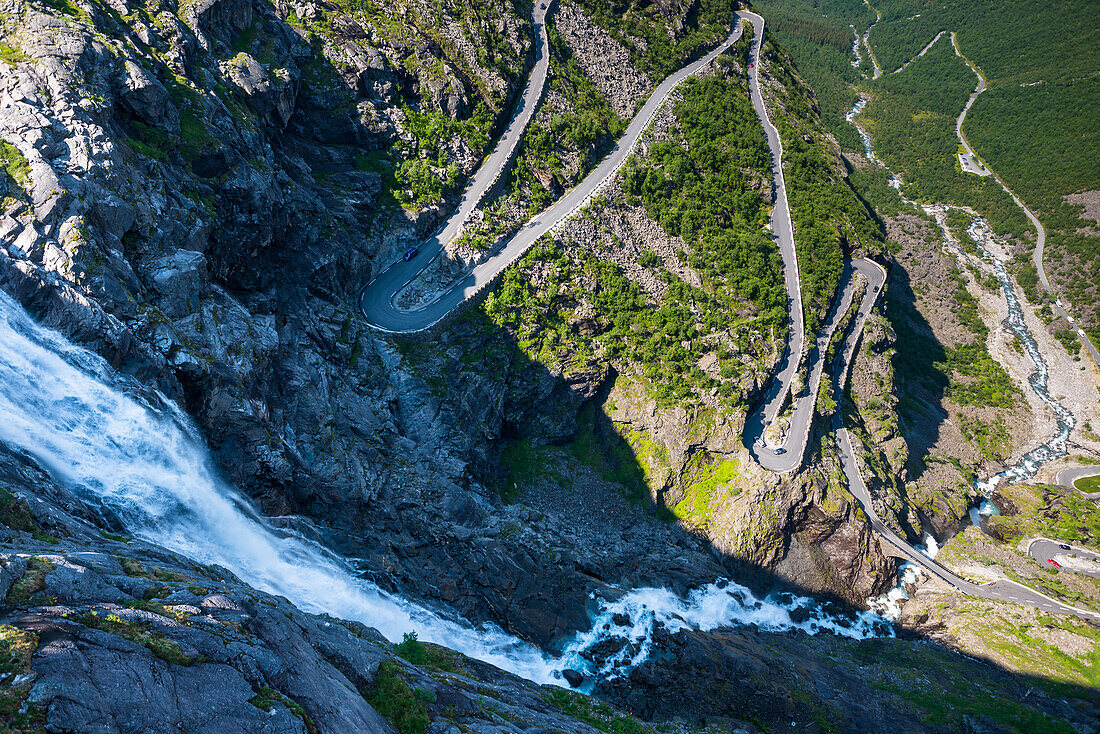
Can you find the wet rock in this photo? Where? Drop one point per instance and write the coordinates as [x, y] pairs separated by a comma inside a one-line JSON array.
[[573, 677], [800, 615]]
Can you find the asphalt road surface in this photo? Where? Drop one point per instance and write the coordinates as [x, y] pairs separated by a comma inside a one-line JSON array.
[[798, 432], [1043, 549], [377, 298], [1066, 478], [1000, 590], [1041, 239], [783, 231]]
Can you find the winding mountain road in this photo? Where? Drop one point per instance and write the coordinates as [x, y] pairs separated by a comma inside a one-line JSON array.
[[976, 166], [1002, 590], [377, 299], [1044, 549], [1068, 477]]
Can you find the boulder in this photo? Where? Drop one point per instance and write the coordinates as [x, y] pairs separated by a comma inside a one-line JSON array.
[[143, 96], [270, 94]]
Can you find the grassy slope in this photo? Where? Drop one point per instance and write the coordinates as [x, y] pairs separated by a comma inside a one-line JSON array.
[[1036, 125]]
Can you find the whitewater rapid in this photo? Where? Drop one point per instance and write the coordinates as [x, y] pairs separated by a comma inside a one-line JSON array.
[[979, 232], [130, 453]]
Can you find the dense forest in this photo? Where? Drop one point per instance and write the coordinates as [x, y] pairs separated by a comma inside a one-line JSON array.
[[911, 117], [700, 183]]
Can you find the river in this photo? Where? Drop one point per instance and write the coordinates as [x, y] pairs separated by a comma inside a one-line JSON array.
[[134, 457], [1028, 465]]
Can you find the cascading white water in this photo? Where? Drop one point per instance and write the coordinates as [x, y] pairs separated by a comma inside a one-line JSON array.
[[632, 617], [888, 605], [133, 454], [1029, 464], [1055, 448]]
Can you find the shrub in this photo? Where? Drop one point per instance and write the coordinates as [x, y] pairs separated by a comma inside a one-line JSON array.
[[395, 700]]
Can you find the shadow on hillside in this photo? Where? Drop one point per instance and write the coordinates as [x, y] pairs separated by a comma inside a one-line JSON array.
[[544, 595], [920, 383], [711, 668]]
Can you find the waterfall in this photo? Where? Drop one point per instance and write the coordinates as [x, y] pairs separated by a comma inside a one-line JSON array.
[[133, 455]]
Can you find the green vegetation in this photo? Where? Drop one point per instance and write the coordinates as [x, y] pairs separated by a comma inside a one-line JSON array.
[[425, 174], [911, 117], [132, 567], [595, 713], [1069, 340], [827, 214], [32, 581], [1088, 484], [69, 8], [655, 45], [943, 706], [115, 536], [1034, 125], [267, 697], [17, 169], [611, 456], [819, 38], [987, 385], [395, 700], [635, 331], [164, 648], [966, 306], [990, 437], [16, 715], [959, 688], [16, 514], [585, 126], [708, 478], [1055, 512], [12, 55], [426, 655], [698, 188]]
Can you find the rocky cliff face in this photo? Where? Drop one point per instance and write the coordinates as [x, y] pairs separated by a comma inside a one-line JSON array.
[[197, 190], [207, 186]]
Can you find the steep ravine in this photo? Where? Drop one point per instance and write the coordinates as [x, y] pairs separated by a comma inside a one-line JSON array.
[[205, 187], [245, 325]]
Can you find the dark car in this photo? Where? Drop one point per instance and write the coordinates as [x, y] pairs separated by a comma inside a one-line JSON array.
[[411, 253], [780, 451], [1063, 546]]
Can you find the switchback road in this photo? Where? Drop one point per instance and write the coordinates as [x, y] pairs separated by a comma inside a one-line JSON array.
[[377, 300], [1045, 549], [1041, 233], [1003, 590], [1067, 477]]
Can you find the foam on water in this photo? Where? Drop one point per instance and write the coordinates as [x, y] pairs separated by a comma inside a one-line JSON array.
[[889, 604], [633, 618], [983, 508], [132, 454], [1028, 464], [855, 49], [979, 232]]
